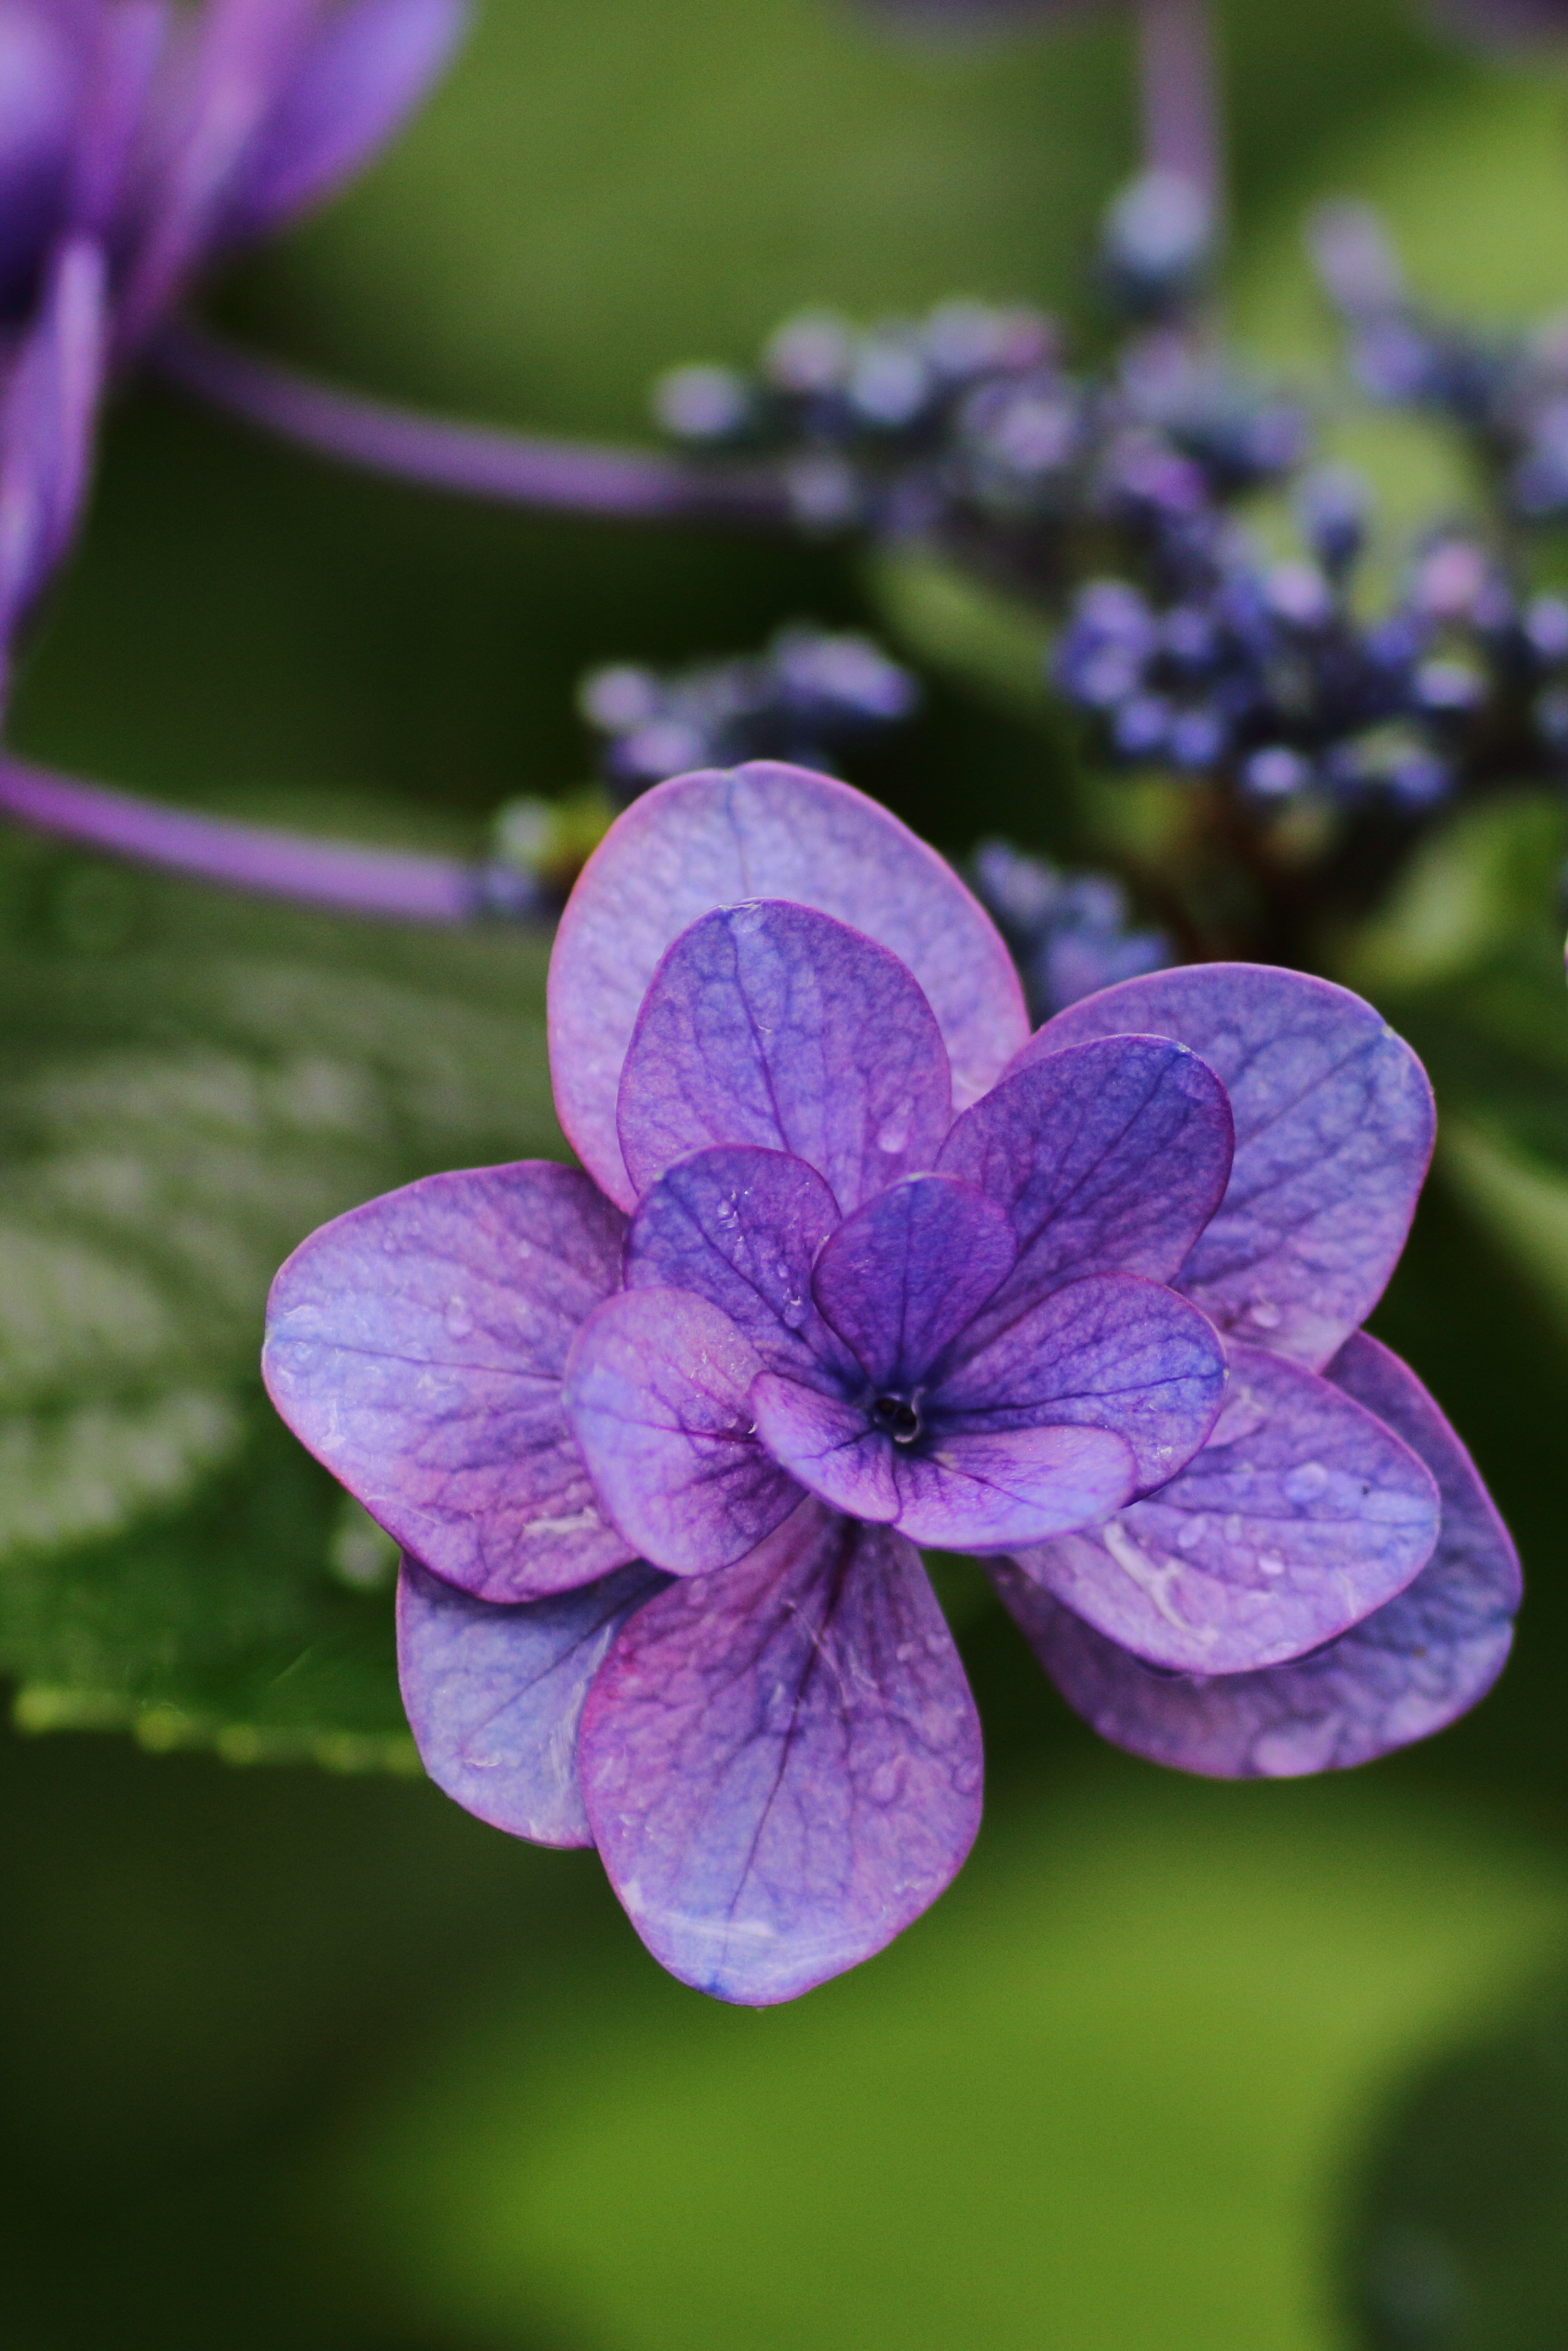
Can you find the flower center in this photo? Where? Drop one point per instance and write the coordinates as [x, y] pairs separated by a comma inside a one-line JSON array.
[[898, 1417]]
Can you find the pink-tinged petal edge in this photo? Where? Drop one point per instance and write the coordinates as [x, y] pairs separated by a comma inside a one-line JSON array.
[[494, 1695], [775, 1025], [782, 1764], [416, 1347], [722, 838], [1405, 1672], [656, 1390], [1303, 1514], [1333, 1132]]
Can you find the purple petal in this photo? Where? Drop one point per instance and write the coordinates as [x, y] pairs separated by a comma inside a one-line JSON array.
[[494, 1695], [741, 1228], [38, 101], [1405, 1671], [901, 1279], [782, 1763], [1112, 1352], [1109, 1157], [656, 1387], [717, 839], [416, 1346], [776, 1026], [232, 61], [975, 1490], [1333, 1131], [123, 47], [1302, 1515], [367, 69], [46, 428]]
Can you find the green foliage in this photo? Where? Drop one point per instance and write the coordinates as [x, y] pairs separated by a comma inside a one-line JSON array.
[[1459, 2235], [1093, 2102], [1467, 962], [189, 1084]]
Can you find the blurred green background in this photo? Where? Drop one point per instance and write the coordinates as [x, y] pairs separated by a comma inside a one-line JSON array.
[[297, 2057]]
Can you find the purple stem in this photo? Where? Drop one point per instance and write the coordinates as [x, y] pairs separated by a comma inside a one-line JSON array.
[[337, 874], [522, 469], [1180, 73]]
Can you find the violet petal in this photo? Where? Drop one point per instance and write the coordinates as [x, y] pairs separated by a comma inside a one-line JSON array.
[[1111, 1352], [741, 1228], [775, 1025], [1109, 1157], [782, 1763], [1302, 1515], [657, 1388], [904, 1276], [367, 69], [494, 1695], [1333, 1131], [977, 1490], [416, 1346], [1405, 1671], [716, 839], [47, 428]]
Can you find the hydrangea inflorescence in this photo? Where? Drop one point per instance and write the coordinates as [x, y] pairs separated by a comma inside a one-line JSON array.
[[855, 1263], [140, 141], [967, 426]]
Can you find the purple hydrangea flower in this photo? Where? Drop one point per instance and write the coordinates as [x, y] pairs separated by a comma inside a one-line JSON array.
[[855, 1263], [139, 141]]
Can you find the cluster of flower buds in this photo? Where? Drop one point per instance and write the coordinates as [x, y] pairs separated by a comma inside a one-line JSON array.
[[1071, 933], [1266, 676], [1507, 394], [968, 425], [811, 696]]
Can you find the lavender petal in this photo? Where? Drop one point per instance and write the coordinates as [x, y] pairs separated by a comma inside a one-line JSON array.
[[972, 1490], [1109, 1157], [416, 1346], [1111, 1352], [1302, 1515], [1407, 1670], [1333, 1131], [775, 1026], [717, 839], [494, 1695], [46, 428], [741, 1228], [657, 1388], [782, 1763], [904, 1276], [369, 65]]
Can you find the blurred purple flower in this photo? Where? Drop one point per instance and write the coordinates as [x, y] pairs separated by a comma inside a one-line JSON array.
[[139, 142], [659, 1439]]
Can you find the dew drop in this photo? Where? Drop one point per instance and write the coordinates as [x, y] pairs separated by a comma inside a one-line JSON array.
[[1233, 1528], [1193, 1532], [1270, 1562], [1308, 1483], [1265, 1314], [886, 1781], [892, 1135], [459, 1322], [792, 1310]]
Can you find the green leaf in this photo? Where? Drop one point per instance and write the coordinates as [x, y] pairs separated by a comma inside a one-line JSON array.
[[189, 1084], [1466, 960]]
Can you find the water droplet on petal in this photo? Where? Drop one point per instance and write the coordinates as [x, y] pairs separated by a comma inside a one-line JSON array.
[[459, 1322], [1265, 1314], [1193, 1533], [1270, 1562], [1308, 1483], [892, 1135], [886, 1782]]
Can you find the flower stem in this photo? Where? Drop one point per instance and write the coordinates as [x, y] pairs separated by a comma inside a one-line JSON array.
[[475, 460], [344, 875], [1180, 75]]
